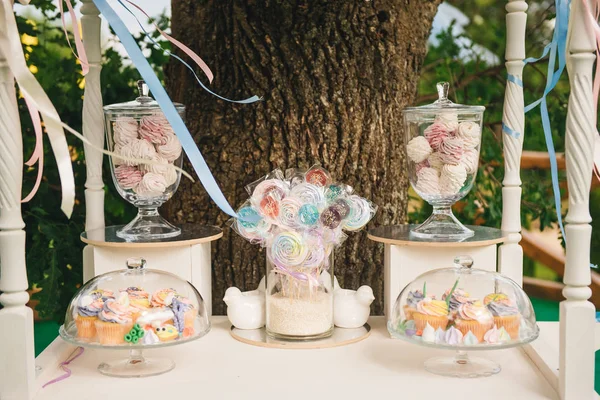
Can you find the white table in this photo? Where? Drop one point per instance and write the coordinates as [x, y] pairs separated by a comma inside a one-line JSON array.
[[219, 367]]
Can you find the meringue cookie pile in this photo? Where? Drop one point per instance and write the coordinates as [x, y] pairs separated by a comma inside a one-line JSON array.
[[152, 138], [445, 155]]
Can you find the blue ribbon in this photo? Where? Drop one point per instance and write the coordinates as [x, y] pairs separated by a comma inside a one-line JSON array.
[[556, 48], [514, 80], [509, 131], [167, 52], [166, 105]]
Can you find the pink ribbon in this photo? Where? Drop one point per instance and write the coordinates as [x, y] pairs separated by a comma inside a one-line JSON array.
[[63, 365], [38, 152], [179, 45], [81, 54]]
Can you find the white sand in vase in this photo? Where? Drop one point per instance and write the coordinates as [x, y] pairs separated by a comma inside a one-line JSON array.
[[300, 316]]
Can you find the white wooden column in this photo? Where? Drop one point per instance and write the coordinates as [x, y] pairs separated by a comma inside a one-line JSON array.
[[17, 368], [577, 314], [93, 129], [510, 254]]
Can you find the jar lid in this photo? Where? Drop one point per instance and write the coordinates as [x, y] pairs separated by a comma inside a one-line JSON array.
[[142, 103], [463, 308], [444, 104]]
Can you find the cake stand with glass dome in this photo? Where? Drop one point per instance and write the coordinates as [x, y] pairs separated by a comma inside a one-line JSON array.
[[463, 309], [135, 309]]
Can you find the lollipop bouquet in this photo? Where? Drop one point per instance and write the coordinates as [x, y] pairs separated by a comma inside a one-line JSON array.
[[300, 218]]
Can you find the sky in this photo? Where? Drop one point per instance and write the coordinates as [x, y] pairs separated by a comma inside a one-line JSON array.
[[446, 14]]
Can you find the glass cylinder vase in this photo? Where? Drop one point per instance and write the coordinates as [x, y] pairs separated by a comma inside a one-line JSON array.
[[299, 299]]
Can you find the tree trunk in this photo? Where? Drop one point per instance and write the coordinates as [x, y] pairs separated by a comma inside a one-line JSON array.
[[335, 75]]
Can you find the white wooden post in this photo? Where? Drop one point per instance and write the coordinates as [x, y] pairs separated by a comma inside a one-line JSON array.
[[510, 254], [577, 314], [17, 361], [93, 130]]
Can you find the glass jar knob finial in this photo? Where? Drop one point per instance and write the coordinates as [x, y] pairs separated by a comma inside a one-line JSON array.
[[143, 91], [136, 263], [463, 261], [442, 89]]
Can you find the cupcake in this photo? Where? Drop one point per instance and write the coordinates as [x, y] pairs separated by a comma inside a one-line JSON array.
[[506, 315], [162, 297], [114, 322], [457, 298], [102, 294], [88, 307], [474, 317], [412, 300], [139, 300], [432, 312]]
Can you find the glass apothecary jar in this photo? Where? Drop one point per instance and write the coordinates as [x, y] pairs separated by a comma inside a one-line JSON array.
[[299, 298], [443, 140], [463, 309], [139, 130]]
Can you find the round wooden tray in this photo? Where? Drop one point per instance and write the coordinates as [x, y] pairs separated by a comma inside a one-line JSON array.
[[400, 235], [340, 337], [190, 234]]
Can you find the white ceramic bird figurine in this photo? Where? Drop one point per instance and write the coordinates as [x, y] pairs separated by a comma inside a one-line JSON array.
[[351, 307], [246, 310]]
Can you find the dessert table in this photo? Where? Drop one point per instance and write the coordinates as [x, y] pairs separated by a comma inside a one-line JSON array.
[[219, 367]]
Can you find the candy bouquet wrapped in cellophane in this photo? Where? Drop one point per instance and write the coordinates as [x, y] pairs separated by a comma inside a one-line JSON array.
[[300, 218]]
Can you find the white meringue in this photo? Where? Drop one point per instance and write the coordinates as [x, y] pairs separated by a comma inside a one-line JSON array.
[[170, 148], [137, 148], [418, 149], [470, 159], [452, 179], [161, 167], [428, 181], [435, 161], [152, 185], [448, 119], [470, 132]]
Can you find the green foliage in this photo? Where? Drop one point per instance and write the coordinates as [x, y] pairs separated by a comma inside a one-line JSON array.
[[54, 250]]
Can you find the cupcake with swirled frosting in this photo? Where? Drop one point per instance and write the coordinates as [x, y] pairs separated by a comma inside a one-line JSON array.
[[506, 314], [88, 307], [475, 318], [413, 298], [114, 321], [457, 298], [432, 312]]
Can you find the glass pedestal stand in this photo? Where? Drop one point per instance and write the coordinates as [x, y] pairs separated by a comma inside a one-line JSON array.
[[136, 366], [148, 225], [442, 225], [462, 366]]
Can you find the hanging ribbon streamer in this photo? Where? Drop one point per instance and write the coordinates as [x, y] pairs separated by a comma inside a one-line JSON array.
[[187, 51], [38, 151], [10, 42], [81, 54], [166, 105], [63, 365], [557, 49]]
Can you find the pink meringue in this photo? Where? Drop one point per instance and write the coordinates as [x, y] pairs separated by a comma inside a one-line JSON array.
[[418, 149], [125, 130], [451, 150], [153, 128], [152, 185], [435, 134], [128, 177], [170, 148]]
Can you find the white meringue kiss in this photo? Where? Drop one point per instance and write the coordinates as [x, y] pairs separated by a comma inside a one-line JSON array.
[[418, 149], [428, 181], [449, 120], [170, 148], [470, 133], [137, 148], [162, 167], [452, 179]]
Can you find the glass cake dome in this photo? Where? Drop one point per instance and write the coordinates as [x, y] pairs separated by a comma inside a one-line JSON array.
[[135, 309], [463, 309]]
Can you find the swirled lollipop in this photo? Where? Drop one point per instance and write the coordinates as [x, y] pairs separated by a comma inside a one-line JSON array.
[[360, 213], [331, 217], [317, 176], [308, 193], [308, 214], [315, 256], [287, 249], [274, 187], [250, 229], [343, 207], [288, 212]]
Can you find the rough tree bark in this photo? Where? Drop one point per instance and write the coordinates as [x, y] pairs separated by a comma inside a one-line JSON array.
[[335, 75]]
